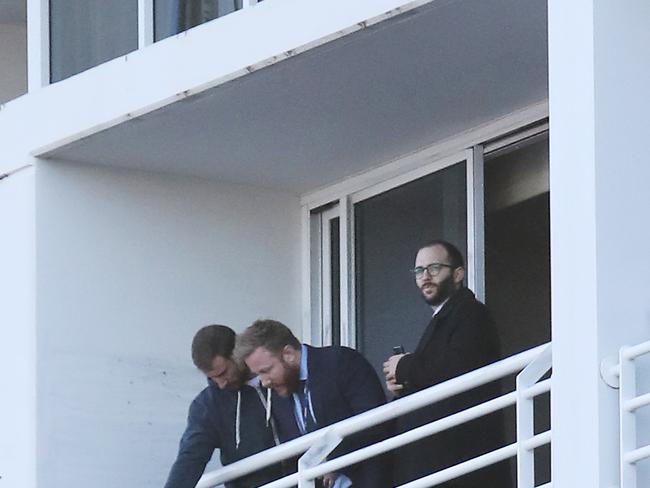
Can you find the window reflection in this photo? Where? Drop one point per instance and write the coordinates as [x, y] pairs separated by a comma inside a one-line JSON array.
[[85, 33], [388, 229], [174, 16]]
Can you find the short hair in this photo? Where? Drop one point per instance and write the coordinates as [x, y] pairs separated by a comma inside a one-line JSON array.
[[211, 341], [269, 334], [454, 254]]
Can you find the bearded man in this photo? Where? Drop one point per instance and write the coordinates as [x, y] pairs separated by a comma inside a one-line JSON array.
[[228, 415], [460, 337], [315, 387]]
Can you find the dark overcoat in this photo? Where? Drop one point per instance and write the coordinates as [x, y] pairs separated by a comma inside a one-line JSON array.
[[460, 338]]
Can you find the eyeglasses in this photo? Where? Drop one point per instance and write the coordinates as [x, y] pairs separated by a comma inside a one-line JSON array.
[[433, 269]]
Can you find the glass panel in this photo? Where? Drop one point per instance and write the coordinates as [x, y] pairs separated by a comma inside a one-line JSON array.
[[315, 277], [85, 33], [174, 16], [13, 49], [517, 262], [389, 229], [335, 273], [517, 243]]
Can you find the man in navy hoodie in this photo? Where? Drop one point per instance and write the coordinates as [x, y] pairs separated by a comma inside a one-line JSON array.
[[228, 415]]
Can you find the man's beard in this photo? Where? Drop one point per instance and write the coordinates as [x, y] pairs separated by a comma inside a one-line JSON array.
[[444, 290], [291, 378]]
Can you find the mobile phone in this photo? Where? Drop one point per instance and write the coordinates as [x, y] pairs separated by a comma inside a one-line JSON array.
[[398, 349]]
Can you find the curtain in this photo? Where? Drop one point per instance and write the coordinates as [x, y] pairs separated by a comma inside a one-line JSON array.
[[195, 12]]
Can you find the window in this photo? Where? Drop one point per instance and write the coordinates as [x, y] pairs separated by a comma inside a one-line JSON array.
[[490, 200], [389, 227], [85, 33], [174, 16], [517, 242]]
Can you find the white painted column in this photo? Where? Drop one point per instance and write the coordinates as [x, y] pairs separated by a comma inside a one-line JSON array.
[[599, 66], [17, 328], [38, 44]]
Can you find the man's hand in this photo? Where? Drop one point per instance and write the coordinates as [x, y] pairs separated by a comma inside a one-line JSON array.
[[391, 365], [329, 479], [394, 387]]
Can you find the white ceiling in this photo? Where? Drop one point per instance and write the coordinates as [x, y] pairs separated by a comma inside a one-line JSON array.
[[346, 106], [13, 11]]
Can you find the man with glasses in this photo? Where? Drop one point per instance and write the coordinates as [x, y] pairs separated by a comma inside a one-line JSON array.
[[460, 337]]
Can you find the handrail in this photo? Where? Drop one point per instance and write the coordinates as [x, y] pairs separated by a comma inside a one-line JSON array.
[[377, 416], [528, 386], [629, 402], [400, 439]]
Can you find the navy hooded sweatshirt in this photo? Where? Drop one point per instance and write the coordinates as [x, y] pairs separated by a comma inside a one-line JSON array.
[[211, 424]]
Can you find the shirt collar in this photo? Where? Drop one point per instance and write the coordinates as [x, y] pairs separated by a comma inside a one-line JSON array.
[[304, 372], [254, 382], [437, 308]]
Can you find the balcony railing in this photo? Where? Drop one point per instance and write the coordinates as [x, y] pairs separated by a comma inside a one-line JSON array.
[[622, 374], [532, 365]]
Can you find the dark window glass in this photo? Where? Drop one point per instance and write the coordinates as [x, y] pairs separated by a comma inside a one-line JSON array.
[[389, 229], [335, 273], [517, 244], [517, 262], [174, 16], [85, 33]]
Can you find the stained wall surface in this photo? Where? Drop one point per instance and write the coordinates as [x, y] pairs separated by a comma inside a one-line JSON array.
[[130, 265]]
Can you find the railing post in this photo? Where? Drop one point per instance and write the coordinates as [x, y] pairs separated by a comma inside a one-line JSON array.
[[530, 375], [627, 391]]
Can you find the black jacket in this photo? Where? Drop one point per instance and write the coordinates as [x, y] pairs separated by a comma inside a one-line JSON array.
[[211, 425], [460, 338], [342, 384]]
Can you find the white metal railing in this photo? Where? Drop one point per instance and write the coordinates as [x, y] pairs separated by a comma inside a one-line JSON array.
[[534, 362], [621, 374], [528, 387]]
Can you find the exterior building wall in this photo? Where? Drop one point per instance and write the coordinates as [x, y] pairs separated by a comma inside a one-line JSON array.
[[13, 61], [622, 89], [599, 74], [130, 265], [183, 65], [108, 272], [17, 330]]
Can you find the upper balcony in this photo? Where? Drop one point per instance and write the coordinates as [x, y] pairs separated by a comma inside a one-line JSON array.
[[13, 49], [86, 33], [301, 94]]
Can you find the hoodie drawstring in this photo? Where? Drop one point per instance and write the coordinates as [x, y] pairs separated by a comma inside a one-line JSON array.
[[238, 420], [267, 405]]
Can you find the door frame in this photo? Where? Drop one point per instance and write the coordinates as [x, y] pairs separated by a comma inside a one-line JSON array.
[[338, 200]]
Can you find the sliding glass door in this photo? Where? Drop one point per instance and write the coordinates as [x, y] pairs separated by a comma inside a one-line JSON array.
[[388, 230]]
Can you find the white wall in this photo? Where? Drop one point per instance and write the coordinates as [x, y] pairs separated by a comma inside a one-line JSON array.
[[17, 342], [13, 61], [622, 94], [599, 79], [130, 265]]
